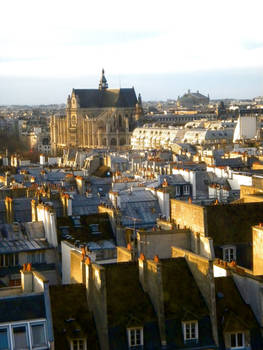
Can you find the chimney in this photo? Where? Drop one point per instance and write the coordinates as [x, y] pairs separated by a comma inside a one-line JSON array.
[[34, 210], [26, 278], [7, 178], [69, 205], [64, 204], [9, 210], [143, 271]]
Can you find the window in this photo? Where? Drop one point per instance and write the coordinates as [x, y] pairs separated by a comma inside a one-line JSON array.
[[186, 189], [135, 337], [237, 340], [38, 335], [9, 259], [229, 254], [190, 330], [36, 257], [177, 191], [3, 339], [20, 337], [78, 344]]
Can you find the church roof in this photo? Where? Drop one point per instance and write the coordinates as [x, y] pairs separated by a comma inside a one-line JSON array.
[[95, 98]]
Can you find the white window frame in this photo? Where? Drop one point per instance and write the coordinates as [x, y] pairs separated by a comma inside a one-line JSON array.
[[186, 189], [228, 252], [177, 190], [129, 333], [31, 334], [78, 340], [190, 324], [27, 324], [236, 340]]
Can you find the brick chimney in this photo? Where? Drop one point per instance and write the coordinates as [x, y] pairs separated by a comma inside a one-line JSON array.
[[34, 210], [9, 210], [26, 278]]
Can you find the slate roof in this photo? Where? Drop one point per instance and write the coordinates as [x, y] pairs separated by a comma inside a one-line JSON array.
[[80, 228], [182, 298], [231, 307], [18, 238], [71, 316], [21, 209], [233, 314], [129, 306], [231, 223], [94, 98], [183, 302], [127, 303], [21, 308]]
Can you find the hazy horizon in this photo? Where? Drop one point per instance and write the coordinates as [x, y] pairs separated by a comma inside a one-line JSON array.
[[219, 85]]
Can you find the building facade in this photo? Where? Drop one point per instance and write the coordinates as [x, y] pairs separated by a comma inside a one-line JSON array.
[[97, 118]]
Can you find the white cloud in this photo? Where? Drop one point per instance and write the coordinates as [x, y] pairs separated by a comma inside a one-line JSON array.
[[49, 38]]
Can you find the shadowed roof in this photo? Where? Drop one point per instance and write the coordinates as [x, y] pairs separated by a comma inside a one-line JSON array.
[[182, 298], [127, 303], [20, 308], [71, 317], [94, 98], [233, 313]]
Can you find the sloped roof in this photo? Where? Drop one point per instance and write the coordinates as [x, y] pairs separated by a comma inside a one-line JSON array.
[[233, 314], [182, 298], [231, 223], [127, 303], [71, 316], [80, 228], [95, 98], [20, 308]]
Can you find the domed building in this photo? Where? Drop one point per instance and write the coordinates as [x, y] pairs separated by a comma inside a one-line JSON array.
[[97, 118], [192, 99]]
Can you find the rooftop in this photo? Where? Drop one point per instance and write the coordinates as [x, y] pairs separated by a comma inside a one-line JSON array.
[[71, 316], [85, 228]]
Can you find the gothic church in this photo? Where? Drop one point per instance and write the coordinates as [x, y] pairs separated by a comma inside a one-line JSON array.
[[97, 118]]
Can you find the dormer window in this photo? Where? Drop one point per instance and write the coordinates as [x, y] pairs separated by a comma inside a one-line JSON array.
[[78, 344], [237, 340], [186, 189], [190, 329], [229, 254], [135, 337]]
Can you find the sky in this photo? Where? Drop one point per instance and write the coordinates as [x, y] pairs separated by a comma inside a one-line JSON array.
[[162, 48]]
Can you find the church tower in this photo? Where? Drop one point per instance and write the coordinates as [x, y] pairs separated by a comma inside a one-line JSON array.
[[138, 108], [103, 85]]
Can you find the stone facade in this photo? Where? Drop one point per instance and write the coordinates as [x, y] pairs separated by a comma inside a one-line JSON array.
[[97, 118]]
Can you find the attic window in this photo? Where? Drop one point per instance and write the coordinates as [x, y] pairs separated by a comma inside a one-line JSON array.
[[135, 337], [78, 344], [229, 254], [237, 340], [190, 330], [186, 189]]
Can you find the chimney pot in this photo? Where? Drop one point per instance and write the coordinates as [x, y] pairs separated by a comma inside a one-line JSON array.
[[156, 259]]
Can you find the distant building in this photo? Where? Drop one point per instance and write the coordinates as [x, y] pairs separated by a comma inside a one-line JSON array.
[[191, 99], [97, 118]]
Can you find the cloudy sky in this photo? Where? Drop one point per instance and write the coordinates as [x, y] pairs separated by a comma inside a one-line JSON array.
[[160, 48]]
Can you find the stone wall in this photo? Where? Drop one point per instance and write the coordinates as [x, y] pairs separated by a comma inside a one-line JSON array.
[[160, 242], [188, 215], [76, 272], [257, 246]]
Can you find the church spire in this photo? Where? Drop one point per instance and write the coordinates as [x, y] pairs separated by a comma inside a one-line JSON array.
[[103, 85]]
